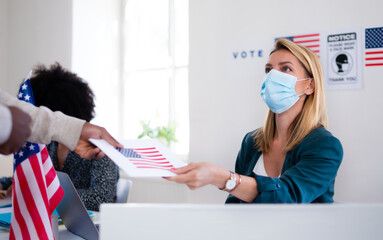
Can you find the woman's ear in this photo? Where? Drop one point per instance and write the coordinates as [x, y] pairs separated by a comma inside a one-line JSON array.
[[310, 88]]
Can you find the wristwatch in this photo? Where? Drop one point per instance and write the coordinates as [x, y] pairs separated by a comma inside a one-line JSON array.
[[231, 182]]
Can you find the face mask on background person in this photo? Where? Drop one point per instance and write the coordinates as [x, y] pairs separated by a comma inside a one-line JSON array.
[[278, 91]]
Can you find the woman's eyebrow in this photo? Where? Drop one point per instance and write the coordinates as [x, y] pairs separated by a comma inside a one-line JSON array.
[[287, 62]]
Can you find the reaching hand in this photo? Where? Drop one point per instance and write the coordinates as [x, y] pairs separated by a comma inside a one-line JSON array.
[[196, 175], [8, 192], [19, 133], [2, 194], [86, 149]]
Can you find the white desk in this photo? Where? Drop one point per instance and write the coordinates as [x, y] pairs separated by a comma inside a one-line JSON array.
[[309, 221]]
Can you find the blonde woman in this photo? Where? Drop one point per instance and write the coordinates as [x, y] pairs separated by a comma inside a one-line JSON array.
[[292, 158]]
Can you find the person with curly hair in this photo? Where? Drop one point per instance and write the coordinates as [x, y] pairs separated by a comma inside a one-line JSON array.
[[61, 90]]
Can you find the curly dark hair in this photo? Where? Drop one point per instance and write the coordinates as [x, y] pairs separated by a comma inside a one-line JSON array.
[[61, 90]]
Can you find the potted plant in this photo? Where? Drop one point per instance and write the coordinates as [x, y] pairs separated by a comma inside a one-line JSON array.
[[166, 134]]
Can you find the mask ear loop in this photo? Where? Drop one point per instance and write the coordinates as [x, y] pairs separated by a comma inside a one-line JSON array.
[[304, 79]]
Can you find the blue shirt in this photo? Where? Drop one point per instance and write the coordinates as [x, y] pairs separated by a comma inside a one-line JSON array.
[[308, 172]]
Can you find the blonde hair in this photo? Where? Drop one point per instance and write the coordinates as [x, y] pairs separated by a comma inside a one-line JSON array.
[[314, 112]]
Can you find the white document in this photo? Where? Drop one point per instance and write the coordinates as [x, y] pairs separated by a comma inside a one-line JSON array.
[[5, 210], [141, 158]]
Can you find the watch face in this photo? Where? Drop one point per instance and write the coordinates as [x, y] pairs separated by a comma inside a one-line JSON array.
[[230, 184]]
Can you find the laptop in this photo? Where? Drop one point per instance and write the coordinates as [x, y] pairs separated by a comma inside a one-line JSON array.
[[73, 212]]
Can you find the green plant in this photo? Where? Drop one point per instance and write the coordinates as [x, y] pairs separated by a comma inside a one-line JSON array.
[[166, 134]]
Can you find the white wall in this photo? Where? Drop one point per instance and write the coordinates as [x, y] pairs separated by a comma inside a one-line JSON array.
[[3, 42], [39, 31], [225, 102]]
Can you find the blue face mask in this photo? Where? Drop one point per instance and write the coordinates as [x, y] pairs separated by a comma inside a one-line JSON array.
[[278, 91]]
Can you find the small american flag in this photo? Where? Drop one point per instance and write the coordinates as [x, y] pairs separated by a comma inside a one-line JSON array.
[[311, 41], [146, 158], [374, 47], [36, 188]]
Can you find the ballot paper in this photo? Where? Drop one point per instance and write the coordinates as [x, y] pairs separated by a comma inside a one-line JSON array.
[[141, 158]]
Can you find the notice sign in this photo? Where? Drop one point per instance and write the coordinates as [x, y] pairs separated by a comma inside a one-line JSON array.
[[344, 60]]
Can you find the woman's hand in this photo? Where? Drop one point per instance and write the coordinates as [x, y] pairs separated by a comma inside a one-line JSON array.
[[196, 175]]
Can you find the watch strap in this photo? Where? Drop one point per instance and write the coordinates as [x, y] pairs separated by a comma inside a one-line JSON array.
[[233, 176]]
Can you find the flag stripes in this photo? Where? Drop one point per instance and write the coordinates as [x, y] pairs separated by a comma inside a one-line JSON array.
[[36, 188], [146, 158], [311, 41]]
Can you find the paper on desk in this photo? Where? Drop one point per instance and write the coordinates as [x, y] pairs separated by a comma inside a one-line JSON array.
[[5, 210], [141, 158]]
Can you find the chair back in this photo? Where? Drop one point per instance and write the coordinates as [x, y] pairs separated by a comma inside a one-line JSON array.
[[123, 188]]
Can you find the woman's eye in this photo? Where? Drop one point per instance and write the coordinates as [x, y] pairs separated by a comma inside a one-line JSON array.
[[267, 70], [285, 69]]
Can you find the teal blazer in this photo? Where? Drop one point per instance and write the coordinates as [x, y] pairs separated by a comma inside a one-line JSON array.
[[308, 173]]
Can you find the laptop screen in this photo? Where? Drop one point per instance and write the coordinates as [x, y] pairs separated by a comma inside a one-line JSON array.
[[73, 212]]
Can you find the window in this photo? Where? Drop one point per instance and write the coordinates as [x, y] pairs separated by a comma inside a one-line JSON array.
[[155, 67], [134, 54]]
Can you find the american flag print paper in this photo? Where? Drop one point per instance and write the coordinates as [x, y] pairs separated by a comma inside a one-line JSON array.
[[36, 188], [311, 41], [142, 158], [148, 157], [374, 47]]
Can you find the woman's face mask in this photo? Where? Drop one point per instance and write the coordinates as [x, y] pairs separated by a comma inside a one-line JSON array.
[[278, 91]]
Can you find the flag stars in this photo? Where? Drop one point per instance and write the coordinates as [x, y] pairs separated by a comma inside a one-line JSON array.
[[27, 97], [31, 147], [20, 95], [21, 153], [24, 86]]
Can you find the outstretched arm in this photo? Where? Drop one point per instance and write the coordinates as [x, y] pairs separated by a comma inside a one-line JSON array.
[[47, 126], [196, 175]]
